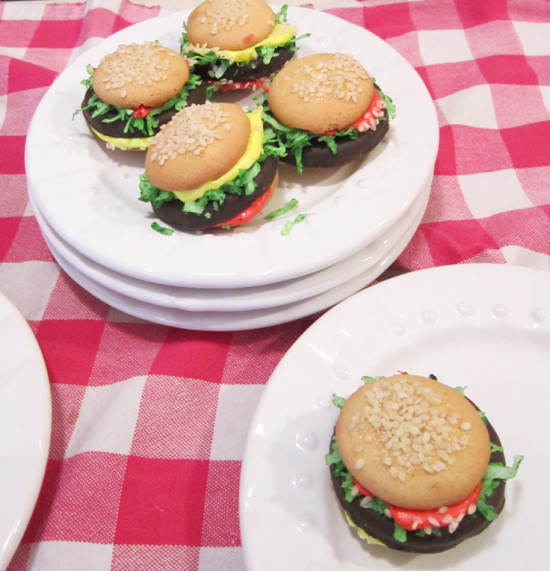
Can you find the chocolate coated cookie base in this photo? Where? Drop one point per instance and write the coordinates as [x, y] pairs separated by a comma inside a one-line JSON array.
[[318, 155], [382, 527], [171, 212], [115, 128]]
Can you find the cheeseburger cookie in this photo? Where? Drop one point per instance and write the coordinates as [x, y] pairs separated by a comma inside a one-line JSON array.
[[237, 44], [327, 111], [135, 90], [211, 166], [415, 465]]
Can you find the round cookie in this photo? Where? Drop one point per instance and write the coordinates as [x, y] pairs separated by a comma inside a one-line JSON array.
[[382, 529], [230, 24], [193, 147], [321, 92], [413, 442], [140, 74]]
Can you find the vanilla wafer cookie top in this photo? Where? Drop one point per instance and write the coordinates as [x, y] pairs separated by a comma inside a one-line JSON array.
[[413, 441], [140, 74], [230, 24], [321, 92], [199, 144]]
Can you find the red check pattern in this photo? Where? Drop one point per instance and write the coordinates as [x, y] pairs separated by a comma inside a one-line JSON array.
[[149, 422]]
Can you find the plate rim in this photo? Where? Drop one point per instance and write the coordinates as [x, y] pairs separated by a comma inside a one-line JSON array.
[[41, 408], [351, 267]]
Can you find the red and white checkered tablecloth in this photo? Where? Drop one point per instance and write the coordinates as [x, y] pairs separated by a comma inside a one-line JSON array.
[[149, 422]]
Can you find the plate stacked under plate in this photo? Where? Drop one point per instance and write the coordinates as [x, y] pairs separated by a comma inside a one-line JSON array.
[[358, 218]]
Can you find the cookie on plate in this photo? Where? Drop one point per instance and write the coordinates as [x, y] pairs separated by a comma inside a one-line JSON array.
[[237, 44], [327, 111], [415, 465], [209, 168], [136, 89]]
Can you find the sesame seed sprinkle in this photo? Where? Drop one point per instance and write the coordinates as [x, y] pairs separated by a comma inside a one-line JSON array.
[[340, 77], [191, 130], [365, 501], [412, 425], [224, 15], [135, 64]]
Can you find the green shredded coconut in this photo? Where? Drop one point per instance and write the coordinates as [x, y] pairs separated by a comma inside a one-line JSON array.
[[434, 531], [289, 224], [390, 105], [366, 379], [161, 229], [242, 184], [495, 474], [333, 457], [377, 505], [399, 533], [290, 205]]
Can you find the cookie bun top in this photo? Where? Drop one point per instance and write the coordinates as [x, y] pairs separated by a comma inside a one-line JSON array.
[[140, 74], [321, 92], [199, 144], [230, 24], [413, 442]]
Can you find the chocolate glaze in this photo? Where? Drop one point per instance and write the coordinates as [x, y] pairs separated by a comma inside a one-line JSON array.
[[382, 527], [171, 212], [116, 128], [253, 70], [318, 155]]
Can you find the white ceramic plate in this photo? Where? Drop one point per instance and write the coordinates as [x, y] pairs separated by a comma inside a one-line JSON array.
[[483, 326], [89, 195], [237, 320], [25, 425], [239, 299]]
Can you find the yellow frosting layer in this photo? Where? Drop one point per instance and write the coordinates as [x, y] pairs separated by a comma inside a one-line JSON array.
[[281, 34], [362, 533], [138, 143]]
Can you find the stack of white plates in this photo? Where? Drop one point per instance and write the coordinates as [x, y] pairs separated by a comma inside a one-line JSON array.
[[358, 218]]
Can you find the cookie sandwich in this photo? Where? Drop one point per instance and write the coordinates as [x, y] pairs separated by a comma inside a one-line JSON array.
[[211, 166], [237, 44], [136, 89], [327, 110], [415, 465]]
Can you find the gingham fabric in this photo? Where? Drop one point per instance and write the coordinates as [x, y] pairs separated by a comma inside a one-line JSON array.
[[149, 422]]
